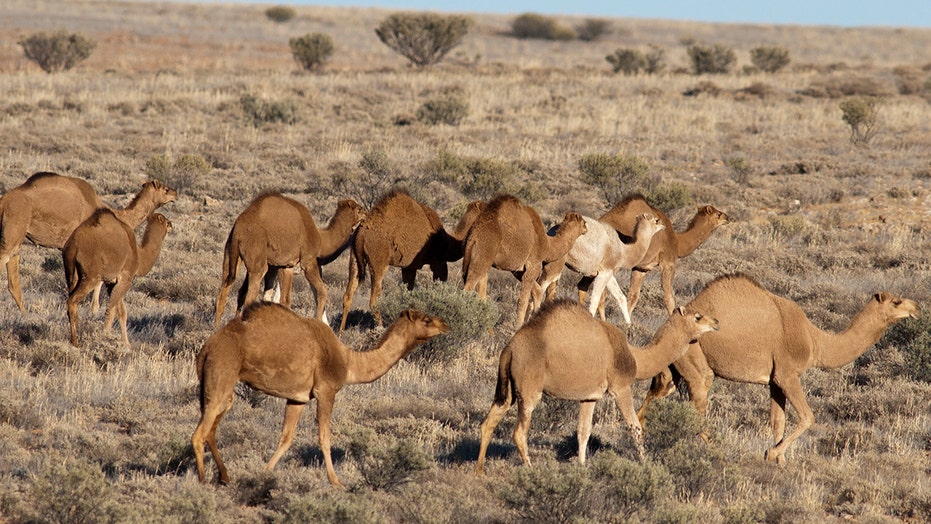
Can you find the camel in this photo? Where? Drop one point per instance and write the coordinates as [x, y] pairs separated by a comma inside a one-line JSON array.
[[47, 208], [401, 232], [510, 236], [767, 339], [665, 248], [276, 232], [103, 250], [564, 352], [285, 355], [600, 254]]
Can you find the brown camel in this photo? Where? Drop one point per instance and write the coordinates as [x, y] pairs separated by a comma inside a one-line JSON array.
[[103, 250], [767, 339], [565, 353], [665, 248], [401, 232], [510, 236], [285, 355], [276, 232], [47, 208]]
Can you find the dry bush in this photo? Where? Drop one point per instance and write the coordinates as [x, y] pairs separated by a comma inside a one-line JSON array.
[[592, 29], [861, 114], [770, 59], [312, 50], [280, 13], [57, 51], [716, 60], [423, 38], [531, 25], [627, 61]]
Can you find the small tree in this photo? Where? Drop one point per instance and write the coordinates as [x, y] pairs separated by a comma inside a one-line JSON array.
[[57, 51], [423, 38], [770, 59], [530, 25], [711, 60], [280, 13], [861, 114], [311, 50], [627, 61]]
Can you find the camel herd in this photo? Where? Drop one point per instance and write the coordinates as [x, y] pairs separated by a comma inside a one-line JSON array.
[[733, 329]]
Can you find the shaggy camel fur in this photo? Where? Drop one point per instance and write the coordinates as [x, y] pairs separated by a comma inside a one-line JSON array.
[[665, 248], [103, 250], [48, 207], [285, 355], [600, 254], [401, 232], [510, 236], [276, 232], [565, 353], [767, 339]]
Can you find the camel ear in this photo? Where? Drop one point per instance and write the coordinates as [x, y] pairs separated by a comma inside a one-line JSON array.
[[680, 310], [881, 297]]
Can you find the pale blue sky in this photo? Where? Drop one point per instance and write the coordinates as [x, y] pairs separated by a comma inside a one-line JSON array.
[[899, 13]]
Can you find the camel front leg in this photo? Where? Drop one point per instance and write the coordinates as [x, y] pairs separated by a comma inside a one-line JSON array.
[[13, 284], [624, 399], [668, 275], [285, 286], [312, 274], [792, 388], [292, 414], [324, 412], [95, 300], [584, 431], [249, 293], [495, 414], [777, 412], [633, 291], [598, 288], [352, 285], [660, 387], [378, 278], [527, 283], [115, 307], [618, 295]]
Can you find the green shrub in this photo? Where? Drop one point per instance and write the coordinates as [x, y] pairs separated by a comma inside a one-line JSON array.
[[592, 28], [488, 177], [616, 175], [693, 464], [671, 195], [334, 506], [628, 61], [312, 50], [861, 114], [385, 462], [447, 167], [57, 51], [530, 25], [423, 38], [467, 315], [258, 112], [449, 109], [549, 492], [631, 486], [669, 421], [740, 168], [183, 173], [711, 60], [280, 13], [912, 337], [770, 58], [655, 60], [72, 491]]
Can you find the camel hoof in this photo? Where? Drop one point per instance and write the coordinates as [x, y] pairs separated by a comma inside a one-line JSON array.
[[773, 456]]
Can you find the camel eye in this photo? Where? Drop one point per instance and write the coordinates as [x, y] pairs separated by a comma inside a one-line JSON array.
[[896, 302]]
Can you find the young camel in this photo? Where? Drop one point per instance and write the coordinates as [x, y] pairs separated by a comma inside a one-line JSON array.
[[510, 236], [103, 250], [47, 208], [566, 353], [401, 232], [599, 254], [276, 232], [767, 339], [285, 355]]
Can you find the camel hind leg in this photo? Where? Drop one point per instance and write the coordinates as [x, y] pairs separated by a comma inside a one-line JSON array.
[[324, 413], [292, 414], [525, 405], [352, 284], [633, 291], [495, 414], [378, 278], [792, 388], [624, 399], [312, 274], [15, 214], [13, 283], [116, 307], [619, 296], [77, 294], [586, 414], [217, 389]]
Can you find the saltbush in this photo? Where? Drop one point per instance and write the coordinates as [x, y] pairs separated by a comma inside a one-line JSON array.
[[488, 177], [531, 25], [770, 59], [258, 112], [592, 28], [616, 175], [386, 462], [628, 61], [740, 168], [333, 506], [655, 60], [312, 50], [467, 315], [450, 109], [550, 493], [631, 486], [861, 114], [57, 51], [667, 422], [711, 60], [912, 337], [72, 491], [184, 173], [671, 195], [423, 38], [280, 13]]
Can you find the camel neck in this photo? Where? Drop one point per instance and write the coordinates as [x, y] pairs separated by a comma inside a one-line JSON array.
[[366, 366], [833, 350], [558, 245], [334, 238], [136, 211], [667, 346], [150, 248], [689, 240]]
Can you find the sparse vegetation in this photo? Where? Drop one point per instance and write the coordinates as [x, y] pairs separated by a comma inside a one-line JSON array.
[[627, 61], [450, 109], [592, 29], [531, 25], [58, 51], [312, 50], [861, 115], [258, 112], [423, 38], [708, 60], [770, 58], [280, 13], [616, 175]]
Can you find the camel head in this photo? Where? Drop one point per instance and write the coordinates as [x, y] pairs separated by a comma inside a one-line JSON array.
[[650, 220], [422, 326], [694, 322], [718, 218], [161, 219], [161, 194], [574, 221], [894, 308], [351, 206]]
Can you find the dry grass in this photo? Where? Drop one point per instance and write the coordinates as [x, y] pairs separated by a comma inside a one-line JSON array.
[[816, 219]]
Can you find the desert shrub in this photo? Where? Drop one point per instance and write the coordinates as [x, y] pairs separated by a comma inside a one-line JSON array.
[[549, 492], [669, 421], [312, 50], [385, 462], [616, 175], [447, 167], [628, 61], [770, 58], [57, 51], [468, 317], [450, 109], [258, 112], [333, 506], [671, 195], [531, 25], [740, 168], [912, 337], [72, 491], [592, 28], [860, 113], [711, 60], [631, 486], [487, 177], [705, 87], [655, 60], [379, 174], [280, 13], [181, 174], [693, 464], [908, 80], [423, 38]]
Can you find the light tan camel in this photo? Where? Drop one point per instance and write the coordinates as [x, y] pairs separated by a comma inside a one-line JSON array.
[[665, 248], [510, 236], [285, 355], [565, 353], [600, 254], [47, 207], [401, 232], [276, 232], [767, 339], [103, 250]]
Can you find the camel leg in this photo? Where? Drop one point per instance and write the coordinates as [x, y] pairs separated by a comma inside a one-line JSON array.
[[698, 376], [624, 399], [13, 284], [483, 286], [324, 412], [598, 289], [668, 274], [378, 277], [249, 292], [525, 405], [352, 285], [271, 289], [633, 292], [409, 277], [12, 236], [618, 295], [549, 278], [793, 391], [226, 282], [211, 414], [586, 413], [292, 414], [312, 274], [95, 300], [440, 270], [75, 297], [115, 306], [660, 387], [495, 414], [285, 281], [777, 412], [527, 282]]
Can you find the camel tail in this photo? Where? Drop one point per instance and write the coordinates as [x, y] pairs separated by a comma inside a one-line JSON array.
[[230, 259], [201, 358], [504, 390], [358, 258], [71, 270]]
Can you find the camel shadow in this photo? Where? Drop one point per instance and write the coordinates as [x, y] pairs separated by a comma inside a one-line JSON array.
[[312, 456], [467, 451], [568, 448], [357, 318]]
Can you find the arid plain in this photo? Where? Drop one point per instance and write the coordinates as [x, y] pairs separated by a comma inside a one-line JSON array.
[[102, 433]]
